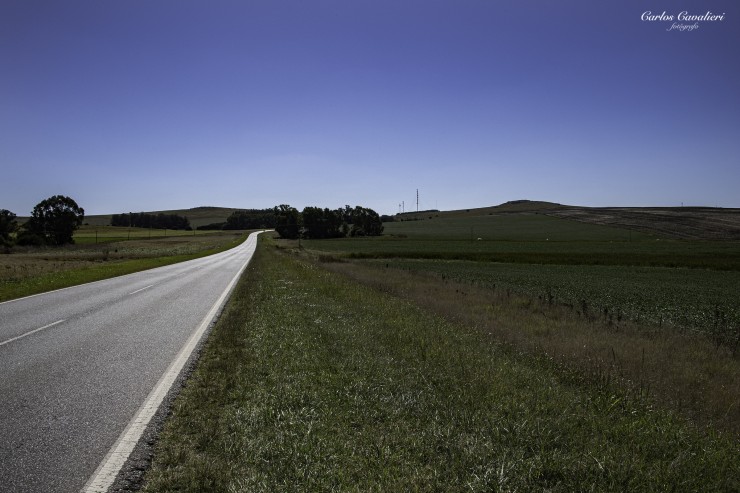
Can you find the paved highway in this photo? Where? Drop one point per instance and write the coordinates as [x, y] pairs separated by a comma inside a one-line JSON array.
[[76, 364]]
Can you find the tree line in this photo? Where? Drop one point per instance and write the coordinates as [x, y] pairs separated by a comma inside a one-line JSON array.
[[155, 221], [245, 219], [312, 222], [318, 223], [54, 220]]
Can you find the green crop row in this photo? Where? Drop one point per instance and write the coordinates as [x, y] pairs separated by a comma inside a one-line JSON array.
[[672, 253], [699, 300]]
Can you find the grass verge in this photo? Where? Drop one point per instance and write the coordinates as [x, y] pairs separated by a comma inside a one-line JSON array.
[[313, 382]]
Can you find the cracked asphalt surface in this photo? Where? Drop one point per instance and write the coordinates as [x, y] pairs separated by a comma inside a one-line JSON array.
[[76, 364]]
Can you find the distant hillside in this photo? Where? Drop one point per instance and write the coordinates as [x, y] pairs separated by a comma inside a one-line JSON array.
[[198, 216], [515, 206], [708, 223]]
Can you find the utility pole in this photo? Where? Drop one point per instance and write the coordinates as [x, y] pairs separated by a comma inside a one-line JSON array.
[[417, 200]]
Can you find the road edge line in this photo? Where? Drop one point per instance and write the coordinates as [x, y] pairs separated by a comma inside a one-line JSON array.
[[106, 473]]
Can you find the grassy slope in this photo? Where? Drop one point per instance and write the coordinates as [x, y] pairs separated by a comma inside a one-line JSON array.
[[668, 222], [310, 382]]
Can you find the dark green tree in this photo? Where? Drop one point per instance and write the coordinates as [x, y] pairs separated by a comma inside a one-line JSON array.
[[8, 226], [251, 219], [322, 223], [365, 222], [55, 220], [288, 221]]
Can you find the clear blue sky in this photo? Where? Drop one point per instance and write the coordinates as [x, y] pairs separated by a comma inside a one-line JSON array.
[[138, 105]]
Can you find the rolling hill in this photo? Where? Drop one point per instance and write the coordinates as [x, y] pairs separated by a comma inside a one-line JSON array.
[[198, 216], [708, 223]]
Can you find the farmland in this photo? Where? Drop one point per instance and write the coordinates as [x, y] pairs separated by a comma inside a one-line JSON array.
[[508, 352], [611, 272], [653, 311], [534, 239], [312, 381], [691, 299]]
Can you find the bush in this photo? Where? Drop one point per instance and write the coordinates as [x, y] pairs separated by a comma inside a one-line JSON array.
[[29, 238]]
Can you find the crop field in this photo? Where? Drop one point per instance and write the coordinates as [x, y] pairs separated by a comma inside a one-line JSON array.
[[693, 299], [658, 312], [608, 272], [532, 239]]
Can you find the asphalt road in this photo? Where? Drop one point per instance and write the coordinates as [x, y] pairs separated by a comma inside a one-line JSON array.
[[76, 364]]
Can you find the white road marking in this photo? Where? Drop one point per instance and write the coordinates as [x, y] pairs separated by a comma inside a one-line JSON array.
[[114, 461], [142, 289], [31, 332]]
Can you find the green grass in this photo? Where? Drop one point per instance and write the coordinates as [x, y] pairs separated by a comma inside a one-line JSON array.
[[311, 382], [108, 234], [47, 269]]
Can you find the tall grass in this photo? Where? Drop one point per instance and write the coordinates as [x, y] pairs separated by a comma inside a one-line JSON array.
[[312, 382]]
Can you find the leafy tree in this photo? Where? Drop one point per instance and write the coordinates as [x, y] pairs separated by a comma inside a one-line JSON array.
[[251, 219], [27, 238], [322, 223], [55, 220], [318, 223], [144, 220], [365, 222], [211, 227], [8, 226], [288, 221], [237, 220]]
